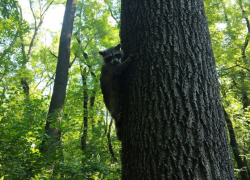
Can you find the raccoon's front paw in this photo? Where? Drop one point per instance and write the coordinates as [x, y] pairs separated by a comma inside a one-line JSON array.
[[131, 56]]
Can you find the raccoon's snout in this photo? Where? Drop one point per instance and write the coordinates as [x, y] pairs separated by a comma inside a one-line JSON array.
[[115, 61]]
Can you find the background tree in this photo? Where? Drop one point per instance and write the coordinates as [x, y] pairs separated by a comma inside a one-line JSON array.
[[229, 32], [51, 145], [174, 125]]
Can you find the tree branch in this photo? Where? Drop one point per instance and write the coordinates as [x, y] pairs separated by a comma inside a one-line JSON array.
[[43, 13], [53, 53], [248, 30], [111, 13], [242, 67], [37, 27]]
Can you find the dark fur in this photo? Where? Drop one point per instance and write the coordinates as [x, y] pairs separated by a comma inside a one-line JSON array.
[[111, 86]]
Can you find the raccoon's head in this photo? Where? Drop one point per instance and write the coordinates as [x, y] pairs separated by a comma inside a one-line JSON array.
[[112, 55]]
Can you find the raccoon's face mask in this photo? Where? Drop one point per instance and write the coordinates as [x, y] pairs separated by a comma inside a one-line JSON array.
[[112, 55], [113, 58]]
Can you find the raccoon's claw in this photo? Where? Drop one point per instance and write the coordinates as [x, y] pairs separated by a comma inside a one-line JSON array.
[[131, 56]]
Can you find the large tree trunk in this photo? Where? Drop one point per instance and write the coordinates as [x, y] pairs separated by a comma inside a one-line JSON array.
[[173, 120], [52, 128]]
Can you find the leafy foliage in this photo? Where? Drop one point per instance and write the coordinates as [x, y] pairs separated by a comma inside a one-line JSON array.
[[229, 26], [23, 118]]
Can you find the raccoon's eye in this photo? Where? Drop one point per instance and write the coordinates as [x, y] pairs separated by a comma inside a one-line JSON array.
[[108, 59], [118, 56]]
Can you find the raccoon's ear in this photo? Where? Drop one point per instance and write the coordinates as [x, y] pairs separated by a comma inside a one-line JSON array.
[[102, 53], [118, 46]]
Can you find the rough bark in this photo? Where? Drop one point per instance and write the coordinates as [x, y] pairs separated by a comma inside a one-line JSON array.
[[52, 128], [173, 120]]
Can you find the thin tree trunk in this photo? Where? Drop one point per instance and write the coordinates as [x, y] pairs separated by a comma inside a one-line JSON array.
[[241, 164], [246, 103], [52, 143], [173, 120], [85, 110]]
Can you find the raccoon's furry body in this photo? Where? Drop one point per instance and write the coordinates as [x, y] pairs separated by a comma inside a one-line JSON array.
[[111, 84]]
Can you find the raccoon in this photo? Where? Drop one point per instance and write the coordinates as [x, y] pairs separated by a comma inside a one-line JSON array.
[[111, 84]]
